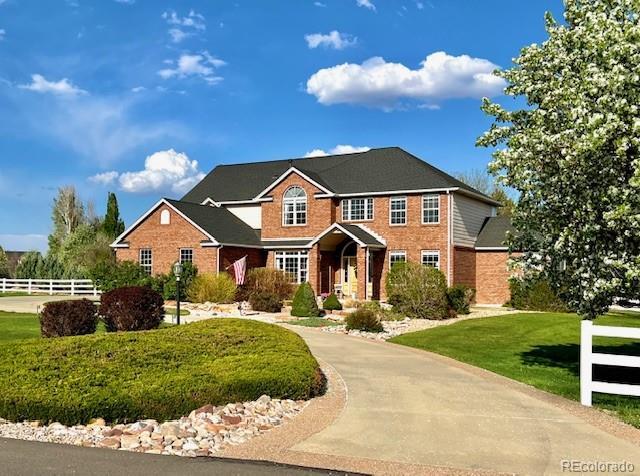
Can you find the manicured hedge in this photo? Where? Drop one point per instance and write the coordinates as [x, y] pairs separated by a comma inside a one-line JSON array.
[[160, 374], [68, 318]]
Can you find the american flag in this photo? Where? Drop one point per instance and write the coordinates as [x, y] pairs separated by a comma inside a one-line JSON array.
[[239, 270]]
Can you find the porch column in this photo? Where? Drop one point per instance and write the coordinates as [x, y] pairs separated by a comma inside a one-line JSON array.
[[314, 269], [362, 272]]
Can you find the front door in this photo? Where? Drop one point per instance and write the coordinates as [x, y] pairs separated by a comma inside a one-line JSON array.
[[350, 276]]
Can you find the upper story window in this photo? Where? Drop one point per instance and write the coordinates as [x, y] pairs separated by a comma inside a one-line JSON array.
[[294, 207], [357, 209], [398, 211], [430, 209], [165, 217], [146, 260], [186, 255]]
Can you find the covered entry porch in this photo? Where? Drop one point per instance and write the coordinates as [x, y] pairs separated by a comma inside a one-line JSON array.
[[349, 262]]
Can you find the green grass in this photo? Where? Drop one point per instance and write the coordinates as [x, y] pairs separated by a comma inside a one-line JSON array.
[[161, 374], [172, 311], [15, 326], [13, 294], [314, 322], [542, 350]]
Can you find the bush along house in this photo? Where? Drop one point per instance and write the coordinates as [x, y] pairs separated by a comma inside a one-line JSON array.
[[339, 222]]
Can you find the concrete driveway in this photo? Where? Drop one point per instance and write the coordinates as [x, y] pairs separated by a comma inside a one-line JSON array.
[[410, 406], [32, 304]]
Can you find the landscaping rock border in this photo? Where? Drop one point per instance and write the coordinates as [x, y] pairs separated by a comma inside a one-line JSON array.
[[205, 432]]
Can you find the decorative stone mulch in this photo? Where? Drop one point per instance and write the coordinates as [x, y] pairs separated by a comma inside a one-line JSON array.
[[204, 432]]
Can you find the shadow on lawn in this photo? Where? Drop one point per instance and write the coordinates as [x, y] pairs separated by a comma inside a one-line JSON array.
[[567, 356]]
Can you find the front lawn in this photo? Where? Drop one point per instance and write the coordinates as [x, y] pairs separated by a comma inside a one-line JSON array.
[[313, 322], [161, 374], [542, 350], [13, 294], [14, 326]]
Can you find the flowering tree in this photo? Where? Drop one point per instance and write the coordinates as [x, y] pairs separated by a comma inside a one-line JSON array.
[[574, 153]]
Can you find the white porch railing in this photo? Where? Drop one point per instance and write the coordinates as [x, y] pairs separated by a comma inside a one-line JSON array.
[[588, 359], [73, 287]]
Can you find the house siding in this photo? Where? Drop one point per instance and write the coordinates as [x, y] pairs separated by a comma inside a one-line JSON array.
[[468, 216], [165, 242]]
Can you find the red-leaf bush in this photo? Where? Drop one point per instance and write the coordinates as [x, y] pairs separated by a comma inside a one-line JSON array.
[[68, 318], [134, 308]]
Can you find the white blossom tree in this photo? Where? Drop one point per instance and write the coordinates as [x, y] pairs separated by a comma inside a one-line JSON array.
[[573, 153]]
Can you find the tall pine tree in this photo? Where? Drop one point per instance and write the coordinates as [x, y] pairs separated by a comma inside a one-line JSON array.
[[113, 225]]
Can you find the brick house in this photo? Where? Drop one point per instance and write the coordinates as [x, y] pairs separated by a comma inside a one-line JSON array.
[[339, 222]]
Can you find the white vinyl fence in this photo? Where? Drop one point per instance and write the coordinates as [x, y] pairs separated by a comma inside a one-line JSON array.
[[72, 287], [588, 359]]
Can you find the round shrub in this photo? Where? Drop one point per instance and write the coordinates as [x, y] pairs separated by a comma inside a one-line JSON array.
[[534, 293], [162, 374], [363, 319], [304, 302], [332, 303], [68, 318], [265, 301], [219, 288], [189, 272], [460, 298], [418, 291], [135, 308], [110, 276]]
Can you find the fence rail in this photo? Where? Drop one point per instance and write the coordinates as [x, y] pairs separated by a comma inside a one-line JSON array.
[[588, 358], [72, 287]]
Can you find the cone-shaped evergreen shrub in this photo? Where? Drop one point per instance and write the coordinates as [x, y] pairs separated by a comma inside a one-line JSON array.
[[332, 303], [304, 302]]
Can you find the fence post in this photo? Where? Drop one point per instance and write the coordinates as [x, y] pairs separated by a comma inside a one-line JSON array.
[[51, 287], [586, 366], [29, 292], [73, 287], [4, 285]]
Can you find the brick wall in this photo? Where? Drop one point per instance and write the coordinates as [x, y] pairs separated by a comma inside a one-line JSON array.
[[464, 266], [320, 212], [166, 241], [229, 254], [492, 276]]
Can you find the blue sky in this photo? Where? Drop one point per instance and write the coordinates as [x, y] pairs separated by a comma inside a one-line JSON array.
[[142, 97]]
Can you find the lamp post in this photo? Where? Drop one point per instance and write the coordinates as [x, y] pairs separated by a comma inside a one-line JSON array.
[[177, 271]]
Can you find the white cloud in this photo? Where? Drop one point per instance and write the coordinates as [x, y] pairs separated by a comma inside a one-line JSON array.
[[3, 32], [192, 20], [377, 83], [339, 149], [105, 178], [177, 35], [334, 39], [126, 2], [202, 65], [138, 89], [64, 87], [166, 170], [320, 4], [366, 4], [28, 242]]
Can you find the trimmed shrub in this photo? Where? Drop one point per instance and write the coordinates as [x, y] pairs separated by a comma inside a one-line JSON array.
[[304, 302], [68, 318], [265, 301], [268, 280], [332, 303], [460, 298], [535, 294], [418, 291], [161, 374], [189, 272], [108, 277], [135, 308], [363, 320], [219, 288]]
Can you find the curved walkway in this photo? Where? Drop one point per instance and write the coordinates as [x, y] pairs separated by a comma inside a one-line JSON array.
[[409, 407]]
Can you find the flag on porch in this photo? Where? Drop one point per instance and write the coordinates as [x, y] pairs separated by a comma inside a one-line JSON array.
[[239, 270]]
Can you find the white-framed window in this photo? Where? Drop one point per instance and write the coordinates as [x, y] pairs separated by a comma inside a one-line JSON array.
[[397, 257], [357, 209], [431, 258], [431, 209], [145, 259], [294, 263], [165, 217], [294, 206], [186, 255], [398, 211]]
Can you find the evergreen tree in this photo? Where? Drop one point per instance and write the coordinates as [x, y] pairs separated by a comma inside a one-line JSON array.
[[4, 264], [112, 226]]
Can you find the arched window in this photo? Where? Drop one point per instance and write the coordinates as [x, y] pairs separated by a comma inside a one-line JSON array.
[[294, 206], [165, 217]]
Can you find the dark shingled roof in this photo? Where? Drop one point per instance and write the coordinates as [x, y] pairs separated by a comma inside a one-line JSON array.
[[494, 232], [284, 243], [363, 235], [377, 170], [220, 223]]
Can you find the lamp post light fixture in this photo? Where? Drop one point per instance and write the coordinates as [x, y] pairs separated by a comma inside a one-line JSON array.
[[177, 271]]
